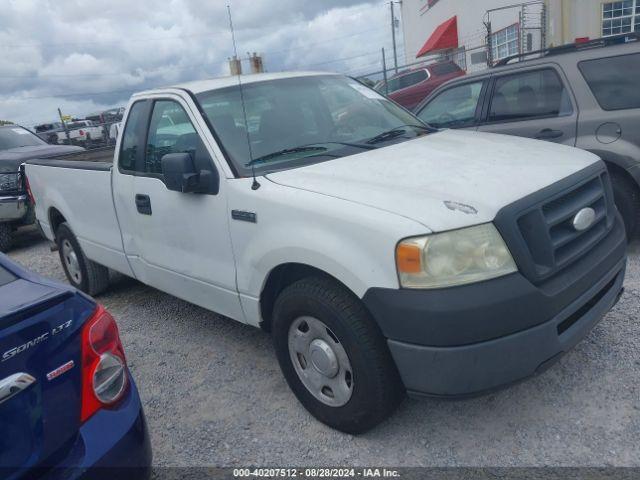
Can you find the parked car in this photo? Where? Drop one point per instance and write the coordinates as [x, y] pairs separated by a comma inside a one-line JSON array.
[[410, 87], [382, 256], [68, 403], [84, 133], [49, 131], [583, 95], [17, 144]]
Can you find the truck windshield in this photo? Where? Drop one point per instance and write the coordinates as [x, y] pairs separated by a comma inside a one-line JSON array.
[[297, 121], [16, 137]]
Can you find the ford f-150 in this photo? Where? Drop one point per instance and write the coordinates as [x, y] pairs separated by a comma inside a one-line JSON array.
[[382, 255]]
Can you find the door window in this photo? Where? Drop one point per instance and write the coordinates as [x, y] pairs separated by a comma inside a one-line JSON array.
[[529, 95], [614, 81], [170, 131], [453, 108], [132, 137]]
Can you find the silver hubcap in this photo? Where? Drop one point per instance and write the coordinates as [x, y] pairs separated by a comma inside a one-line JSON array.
[[71, 261], [320, 361]]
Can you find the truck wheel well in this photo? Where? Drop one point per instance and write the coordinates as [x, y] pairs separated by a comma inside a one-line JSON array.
[[280, 278], [616, 169], [55, 219]]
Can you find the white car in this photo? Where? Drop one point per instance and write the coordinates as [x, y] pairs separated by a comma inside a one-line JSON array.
[[82, 132], [382, 255]]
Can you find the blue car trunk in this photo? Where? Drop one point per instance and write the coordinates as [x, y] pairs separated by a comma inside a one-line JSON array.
[[40, 368]]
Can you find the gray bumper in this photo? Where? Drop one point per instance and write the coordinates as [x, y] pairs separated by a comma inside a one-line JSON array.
[[484, 366], [13, 208]]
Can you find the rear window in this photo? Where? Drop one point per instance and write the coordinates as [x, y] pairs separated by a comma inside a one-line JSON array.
[[6, 277], [614, 81], [406, 80], [444, 68]]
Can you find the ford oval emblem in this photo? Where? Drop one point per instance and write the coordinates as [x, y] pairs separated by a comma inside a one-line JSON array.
[[584, 219]]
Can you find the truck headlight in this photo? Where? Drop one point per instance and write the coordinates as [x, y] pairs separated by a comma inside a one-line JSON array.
[[9, 182], [453, 258]]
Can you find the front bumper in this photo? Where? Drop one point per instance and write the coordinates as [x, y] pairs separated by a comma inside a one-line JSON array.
[[13, 207], [470, 339]]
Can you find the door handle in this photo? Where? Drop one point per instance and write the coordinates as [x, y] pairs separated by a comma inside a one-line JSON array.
[[143, 204], [13, 385], [549, 134]]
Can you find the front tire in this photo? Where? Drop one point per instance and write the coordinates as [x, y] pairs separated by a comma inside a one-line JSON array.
[[333, 355], [82, 273], [6, 237]]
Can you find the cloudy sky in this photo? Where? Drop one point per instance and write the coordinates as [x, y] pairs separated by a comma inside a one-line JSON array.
[[88, 55]]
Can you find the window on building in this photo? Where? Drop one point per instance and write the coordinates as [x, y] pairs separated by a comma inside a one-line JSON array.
[[506, 42], [620, 17]]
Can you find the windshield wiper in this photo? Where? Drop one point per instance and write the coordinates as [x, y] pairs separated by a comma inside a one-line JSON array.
[[397, 132], [313, 147]]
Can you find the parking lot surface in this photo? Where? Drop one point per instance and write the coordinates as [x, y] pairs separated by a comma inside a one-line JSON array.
[[214, 395]]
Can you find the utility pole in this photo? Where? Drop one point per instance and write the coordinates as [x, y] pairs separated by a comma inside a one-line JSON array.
[[384, 72], [393, 36]]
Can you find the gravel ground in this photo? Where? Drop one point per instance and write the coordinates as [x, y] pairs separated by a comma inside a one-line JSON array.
[[214, 395]]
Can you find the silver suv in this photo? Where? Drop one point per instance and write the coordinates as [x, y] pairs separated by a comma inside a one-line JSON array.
[[584, 95]]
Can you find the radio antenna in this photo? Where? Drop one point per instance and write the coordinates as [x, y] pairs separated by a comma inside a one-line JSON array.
[[255, 185]]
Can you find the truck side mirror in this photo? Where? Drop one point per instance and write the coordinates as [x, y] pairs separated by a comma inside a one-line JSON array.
[[180, 175]]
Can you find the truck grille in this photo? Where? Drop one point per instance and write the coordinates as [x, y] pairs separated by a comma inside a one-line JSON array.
[[539, 229]]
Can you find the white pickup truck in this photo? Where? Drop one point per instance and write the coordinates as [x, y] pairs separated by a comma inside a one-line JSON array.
[[383, 256], [83, 133]]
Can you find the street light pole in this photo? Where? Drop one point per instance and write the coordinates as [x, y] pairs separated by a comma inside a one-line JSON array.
[[393, 36]]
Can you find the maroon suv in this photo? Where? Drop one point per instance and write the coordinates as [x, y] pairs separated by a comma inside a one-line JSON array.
[[410, 87]]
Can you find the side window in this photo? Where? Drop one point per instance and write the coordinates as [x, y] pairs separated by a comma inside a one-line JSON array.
[[453, 108], [170, 131], [614, 80], [131, 137], [529, 95]]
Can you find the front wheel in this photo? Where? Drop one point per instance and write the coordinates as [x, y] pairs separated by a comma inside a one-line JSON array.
[[81, 272], [6, 237], [333, 355]]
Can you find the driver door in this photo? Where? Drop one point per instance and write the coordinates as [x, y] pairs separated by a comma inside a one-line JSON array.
[[177, 242], [458, 106]]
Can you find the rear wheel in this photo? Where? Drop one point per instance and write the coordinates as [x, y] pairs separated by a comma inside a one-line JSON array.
[[81, 272], [6, 237], [627, 199], [333, 355]]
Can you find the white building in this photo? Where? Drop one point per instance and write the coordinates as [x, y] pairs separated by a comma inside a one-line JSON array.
[[460, 28]]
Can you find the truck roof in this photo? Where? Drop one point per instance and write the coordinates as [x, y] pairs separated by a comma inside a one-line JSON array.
[[229, 81]]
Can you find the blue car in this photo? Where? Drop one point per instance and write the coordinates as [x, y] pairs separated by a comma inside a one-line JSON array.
[[69, 407]]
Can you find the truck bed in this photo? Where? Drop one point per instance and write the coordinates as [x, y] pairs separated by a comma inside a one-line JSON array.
[[97, 158], [77, 188]]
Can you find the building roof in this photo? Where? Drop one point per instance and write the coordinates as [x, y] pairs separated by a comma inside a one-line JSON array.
[[444, 37]]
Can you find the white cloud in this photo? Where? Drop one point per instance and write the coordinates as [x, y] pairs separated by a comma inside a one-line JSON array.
[[106, 49]]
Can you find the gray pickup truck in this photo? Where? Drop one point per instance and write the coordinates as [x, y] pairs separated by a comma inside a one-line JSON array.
[[584, 95], [17, 145]]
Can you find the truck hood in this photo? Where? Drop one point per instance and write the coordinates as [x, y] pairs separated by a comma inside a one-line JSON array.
[[447, 180], [10, 160]]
